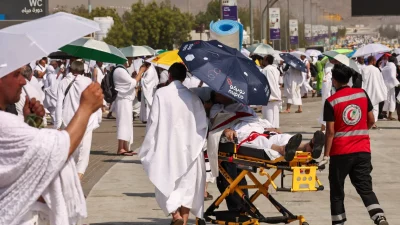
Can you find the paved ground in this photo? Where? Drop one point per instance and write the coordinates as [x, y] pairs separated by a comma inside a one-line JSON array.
[[124, 195]]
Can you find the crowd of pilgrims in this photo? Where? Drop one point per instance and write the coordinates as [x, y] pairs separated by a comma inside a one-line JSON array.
[[59, 84]]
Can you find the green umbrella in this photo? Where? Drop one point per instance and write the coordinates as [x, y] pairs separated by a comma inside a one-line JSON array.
[[94, 50], [342, 51], [342, 59]]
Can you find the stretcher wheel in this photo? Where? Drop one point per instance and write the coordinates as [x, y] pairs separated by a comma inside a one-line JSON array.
[[305, 223]]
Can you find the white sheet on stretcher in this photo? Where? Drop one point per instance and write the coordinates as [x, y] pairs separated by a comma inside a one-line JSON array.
[[261, 142]]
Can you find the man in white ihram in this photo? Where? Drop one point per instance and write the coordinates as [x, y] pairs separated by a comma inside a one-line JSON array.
[[294, 81], [149, 84], [389, 73], [271, 111], [68, 101], [39, 184], [51, 87], [374, 85], [122, 106], [171, 153]]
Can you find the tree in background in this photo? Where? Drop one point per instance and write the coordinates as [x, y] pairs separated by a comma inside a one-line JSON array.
[[159, 26]]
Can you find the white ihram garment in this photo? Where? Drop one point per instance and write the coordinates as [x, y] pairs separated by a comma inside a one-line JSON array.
[[50, 90], [149, 84], [125, 85], [294, 82], [375, 87], [41, 69], [34, 163], [305, 88], [326, 90], [389, 76], [270, 112], [67, 105], [171, 153]]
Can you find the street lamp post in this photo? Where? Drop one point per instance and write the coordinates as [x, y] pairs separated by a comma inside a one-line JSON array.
[[288, 27]]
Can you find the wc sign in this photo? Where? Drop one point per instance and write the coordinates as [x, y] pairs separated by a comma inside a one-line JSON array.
[[23, 9]]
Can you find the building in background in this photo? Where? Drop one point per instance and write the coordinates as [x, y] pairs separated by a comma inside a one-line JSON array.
[[105, 24]]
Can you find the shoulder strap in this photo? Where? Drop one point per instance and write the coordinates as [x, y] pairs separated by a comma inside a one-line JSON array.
[[237, 116], [69, 87]]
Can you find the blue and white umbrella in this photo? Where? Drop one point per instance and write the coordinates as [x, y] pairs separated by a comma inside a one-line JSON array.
[[294, 62], [226, 70]]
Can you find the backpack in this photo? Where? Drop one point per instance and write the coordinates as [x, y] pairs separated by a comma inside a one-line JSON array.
[[108, 86], [313, 70]]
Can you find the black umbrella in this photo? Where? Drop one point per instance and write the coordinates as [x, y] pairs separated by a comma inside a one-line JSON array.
[[226, 71], [59, 55], [293, 61]]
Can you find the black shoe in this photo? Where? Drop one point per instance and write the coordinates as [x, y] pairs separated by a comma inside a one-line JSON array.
[[381, 220], [292, 146], [317, 144]]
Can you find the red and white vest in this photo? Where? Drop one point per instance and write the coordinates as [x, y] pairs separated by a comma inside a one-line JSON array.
[[350, 106]]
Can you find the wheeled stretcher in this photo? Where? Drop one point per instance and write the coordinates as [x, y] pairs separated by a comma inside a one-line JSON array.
[[250, 160]]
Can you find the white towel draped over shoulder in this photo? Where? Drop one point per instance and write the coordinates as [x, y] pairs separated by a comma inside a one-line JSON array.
[[33, 164]]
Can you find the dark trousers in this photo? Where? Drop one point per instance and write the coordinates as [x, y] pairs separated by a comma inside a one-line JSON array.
[[234, 201], [358, 166]]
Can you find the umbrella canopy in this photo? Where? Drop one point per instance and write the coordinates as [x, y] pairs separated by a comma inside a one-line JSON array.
[[299, 53], [40, 37], [261, 49], [293, 61], [166, 59], [342, 59], [313, 52], [153, 52], [343, 51], [59, 55], [10, 59], [137, 51], [226, 70], [371, 49], [94, 50]]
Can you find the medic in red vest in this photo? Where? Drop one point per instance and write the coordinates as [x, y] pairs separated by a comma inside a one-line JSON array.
[[348, 115]]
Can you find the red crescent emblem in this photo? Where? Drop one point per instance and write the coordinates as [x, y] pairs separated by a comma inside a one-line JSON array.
[[349, 115]]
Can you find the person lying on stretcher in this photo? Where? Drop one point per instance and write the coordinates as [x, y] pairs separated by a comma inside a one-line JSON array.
[[229, 119]]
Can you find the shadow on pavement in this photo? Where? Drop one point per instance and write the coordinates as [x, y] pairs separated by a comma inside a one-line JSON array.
[[151, 221], [122, 161], [103, 153], [143, 195]]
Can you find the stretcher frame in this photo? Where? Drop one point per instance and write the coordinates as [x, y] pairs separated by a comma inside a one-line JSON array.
[[304, 179]]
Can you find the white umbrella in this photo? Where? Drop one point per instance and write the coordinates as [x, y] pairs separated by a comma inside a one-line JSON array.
[[277, 57], [56, 30], [261, 49], [371, 49], [136, 51], [313, 52], [150, 49], [299, 53], [29, 41], [12, 56]]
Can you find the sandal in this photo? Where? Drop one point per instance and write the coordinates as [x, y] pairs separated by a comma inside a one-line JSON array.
[[292, 146], [177, 222], [317, 144], [129, 153], [298, 111], [208, 197]]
